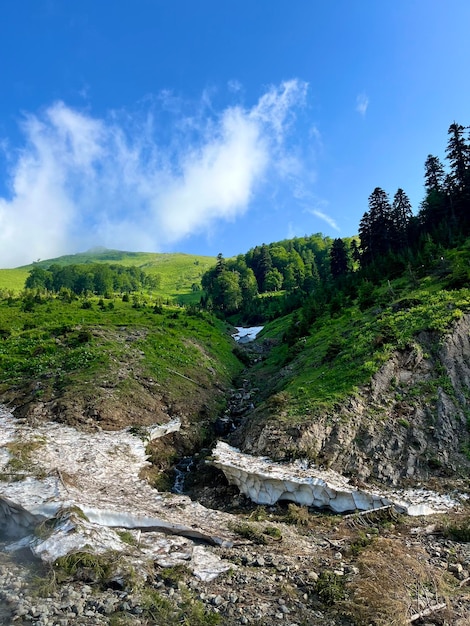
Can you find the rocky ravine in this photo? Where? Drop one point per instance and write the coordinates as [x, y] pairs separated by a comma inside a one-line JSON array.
[[165, 559]]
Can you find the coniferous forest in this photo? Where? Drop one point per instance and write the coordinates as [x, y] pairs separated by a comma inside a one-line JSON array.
[[317, 272]]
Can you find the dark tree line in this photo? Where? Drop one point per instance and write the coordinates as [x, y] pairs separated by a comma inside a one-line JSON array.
[[295, 266], [96, 278], [314, 272]]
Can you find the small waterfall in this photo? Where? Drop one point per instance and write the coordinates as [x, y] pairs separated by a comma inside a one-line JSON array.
[[182, 469]]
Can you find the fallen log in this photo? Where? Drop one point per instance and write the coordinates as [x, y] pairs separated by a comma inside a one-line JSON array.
[[426, 612]]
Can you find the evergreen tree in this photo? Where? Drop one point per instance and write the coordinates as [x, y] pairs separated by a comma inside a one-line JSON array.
[[400, 218], [458, 155], [355, 251], [339, 260], [458, 188], [434, 174], [365, 236], [220, 264], [312, 277]]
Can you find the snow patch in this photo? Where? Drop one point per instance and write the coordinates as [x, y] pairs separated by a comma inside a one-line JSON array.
[[265, 482]]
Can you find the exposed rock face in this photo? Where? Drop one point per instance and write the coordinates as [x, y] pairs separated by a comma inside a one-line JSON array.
[[409, 424], [266, 482]]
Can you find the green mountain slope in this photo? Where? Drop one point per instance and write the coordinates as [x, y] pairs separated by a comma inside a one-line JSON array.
[[178, 272], [375, 388]]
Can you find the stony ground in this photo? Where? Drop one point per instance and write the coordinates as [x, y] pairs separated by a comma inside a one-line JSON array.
[[290, 566]]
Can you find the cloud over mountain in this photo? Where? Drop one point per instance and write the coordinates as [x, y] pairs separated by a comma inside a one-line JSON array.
[[139, 180]]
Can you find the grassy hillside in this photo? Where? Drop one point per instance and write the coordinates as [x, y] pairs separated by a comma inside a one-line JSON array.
[[115, 363], [13, 279], [346, 346], [177, 271]]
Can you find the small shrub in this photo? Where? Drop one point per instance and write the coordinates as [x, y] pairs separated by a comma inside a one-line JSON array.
[[297, 515], [273, 532], [458, 529], [84, 336], [173, 575], [280, 399], [249, 532], [87, 567], [259, 514], [361, 542], [330, 587], [127, 537], [242, 355]]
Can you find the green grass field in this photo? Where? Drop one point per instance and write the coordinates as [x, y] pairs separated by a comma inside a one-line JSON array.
[[13, 279], [65, 345]]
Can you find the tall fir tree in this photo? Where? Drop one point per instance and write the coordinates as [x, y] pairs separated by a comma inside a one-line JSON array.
[[458, 187], [458, 155], [434, 174], [339, 258], [400, 218]]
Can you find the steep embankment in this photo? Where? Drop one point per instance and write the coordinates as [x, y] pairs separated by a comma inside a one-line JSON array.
[[409, 422]]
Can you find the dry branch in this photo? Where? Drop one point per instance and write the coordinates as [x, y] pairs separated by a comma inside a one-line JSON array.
[[426, 612]]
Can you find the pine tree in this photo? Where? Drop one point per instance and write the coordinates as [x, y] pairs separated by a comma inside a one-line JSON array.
[[339, 259], [458, 187], [376, 228], [365, 236], [401, 215], [355, 251], [458, 155], [381, 220], [434, 174]]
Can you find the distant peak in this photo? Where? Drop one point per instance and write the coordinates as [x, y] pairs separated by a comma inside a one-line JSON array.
[[97, 250]]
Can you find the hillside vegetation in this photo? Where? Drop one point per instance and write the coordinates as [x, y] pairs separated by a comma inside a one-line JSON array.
[[179, 275], [337, 314], [95, 363], [343, 313]]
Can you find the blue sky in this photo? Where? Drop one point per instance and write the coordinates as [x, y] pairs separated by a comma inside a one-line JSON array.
[[214, 126]]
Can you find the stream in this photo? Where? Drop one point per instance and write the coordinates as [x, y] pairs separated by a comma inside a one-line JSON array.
[[238, 403]]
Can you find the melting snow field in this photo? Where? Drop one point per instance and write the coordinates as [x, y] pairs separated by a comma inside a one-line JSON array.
[[266, 482], [88, 484], [245, 335], [99, 474]]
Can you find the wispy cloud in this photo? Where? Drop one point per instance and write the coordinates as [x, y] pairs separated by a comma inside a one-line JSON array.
[[362, 103], [234, 86], [125, 181], [326, 218]]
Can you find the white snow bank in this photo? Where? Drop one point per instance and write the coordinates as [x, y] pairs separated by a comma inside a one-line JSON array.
[[266, 482]]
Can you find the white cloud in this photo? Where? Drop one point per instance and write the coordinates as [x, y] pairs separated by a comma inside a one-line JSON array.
[[326, 218], [126, 181], [362, 103]]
